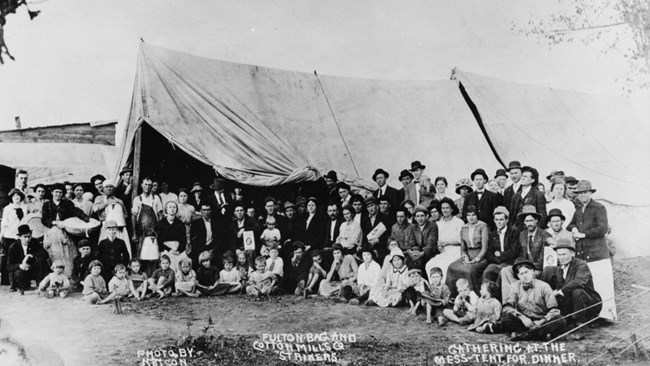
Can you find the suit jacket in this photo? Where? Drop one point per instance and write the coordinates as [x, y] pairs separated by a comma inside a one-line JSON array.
[[426, 239], [536, 249], [111, 254], [512, 248], [367, 227], [578, 277], [313, 234], [425, 196], [534, 198], [327, 227], [16, 255], [198, 236], [489, 201], [294, 274], [593, 223], [393, 195], [508, 195]]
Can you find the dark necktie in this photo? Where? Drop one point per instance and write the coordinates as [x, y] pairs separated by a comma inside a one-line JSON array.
[[527, 286], [530, 244], [19, 213]]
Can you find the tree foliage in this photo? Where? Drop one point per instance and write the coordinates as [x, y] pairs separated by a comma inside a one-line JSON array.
[[621, 26]]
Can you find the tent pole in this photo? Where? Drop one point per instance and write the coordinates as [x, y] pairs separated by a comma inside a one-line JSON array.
[[137, 148]]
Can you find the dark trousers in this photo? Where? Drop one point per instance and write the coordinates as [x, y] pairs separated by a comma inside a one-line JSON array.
[[4, 271], [410, 295], [510, 323], [576, 300], [21, 279]]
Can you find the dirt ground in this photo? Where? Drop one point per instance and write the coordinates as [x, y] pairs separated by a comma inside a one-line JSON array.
[[70, 332]]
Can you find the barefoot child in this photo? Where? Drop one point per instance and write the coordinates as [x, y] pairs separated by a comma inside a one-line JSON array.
[[415, 285], [56, 283], [229, 277], [316, 273], [436, 298], [270, 236], [185, 279], [162, 279], [94, 284], [464, 311], [488, 309], [275, 264], [260, 282], [118, 287], [137, 279]]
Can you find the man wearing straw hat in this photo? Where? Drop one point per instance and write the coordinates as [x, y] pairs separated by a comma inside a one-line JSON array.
[[573, 287], [589, 226]]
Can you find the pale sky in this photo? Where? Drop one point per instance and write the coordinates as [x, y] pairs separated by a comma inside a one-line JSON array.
[[76, 61]]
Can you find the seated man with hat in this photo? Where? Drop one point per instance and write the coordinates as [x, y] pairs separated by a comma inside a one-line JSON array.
[[394, 199], [425, 235], [26, 260], [573, 286], [532, 241], [530, 309]]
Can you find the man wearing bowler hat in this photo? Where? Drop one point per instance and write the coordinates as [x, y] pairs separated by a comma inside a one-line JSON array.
[[415, 191], [331, 179], [514, 170], [380, 177], [555, 221], [219, 198], [26, 261], [484, 200], [529, 196], [530, 309], [573, 287], [502, 180], [406, 178]]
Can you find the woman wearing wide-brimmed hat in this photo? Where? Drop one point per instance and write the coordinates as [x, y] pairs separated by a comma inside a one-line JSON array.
[[11, 216], [463, 188]]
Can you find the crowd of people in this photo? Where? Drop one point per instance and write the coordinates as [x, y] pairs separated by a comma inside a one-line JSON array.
[[505, 256]]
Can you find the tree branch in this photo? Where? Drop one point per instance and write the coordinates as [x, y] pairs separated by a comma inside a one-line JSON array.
[[586, 28]]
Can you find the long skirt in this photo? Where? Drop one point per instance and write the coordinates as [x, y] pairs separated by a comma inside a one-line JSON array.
[[385, 298], [449, 255], [471, 272], [603, 276], [332, 288], [59, 246]]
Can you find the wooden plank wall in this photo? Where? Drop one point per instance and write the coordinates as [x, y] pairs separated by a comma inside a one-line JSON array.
[[79, 133]]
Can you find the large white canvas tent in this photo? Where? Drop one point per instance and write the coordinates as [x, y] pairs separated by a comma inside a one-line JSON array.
[[263, 127]]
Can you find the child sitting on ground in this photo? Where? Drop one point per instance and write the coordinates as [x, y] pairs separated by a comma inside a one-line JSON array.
[[243, 268], [270, 236], [207, 276], [56, 283], [415, 285], [488, 309], [162, 279], [464, 311], [260, 282], [80, 264], [229, 277], [119, 288], [436, 297], [94, 284], [275, 264], [316, 273], [185, 279], [137, 279]]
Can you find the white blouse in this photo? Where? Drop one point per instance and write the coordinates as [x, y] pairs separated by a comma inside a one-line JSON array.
[[449, 231]]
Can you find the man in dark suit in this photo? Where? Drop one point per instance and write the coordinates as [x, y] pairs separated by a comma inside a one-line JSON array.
[[529, 196], [332, 224], [573, 286], [218, 199], [503, 245], [296, 270], [514, 170], [331, 179], [532, 242], [280, 221], [502, 179], [484, 200], [26, 261], [385, 190], [425, 234], [405, 177], [112, 251], [369, 222], [203, 233], [589, 225]]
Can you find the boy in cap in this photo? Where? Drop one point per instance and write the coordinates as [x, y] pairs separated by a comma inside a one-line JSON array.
[[80, 264]]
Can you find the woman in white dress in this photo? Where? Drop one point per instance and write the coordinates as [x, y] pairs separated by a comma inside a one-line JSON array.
[[559, 201], [350, 233], [449, 227]]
